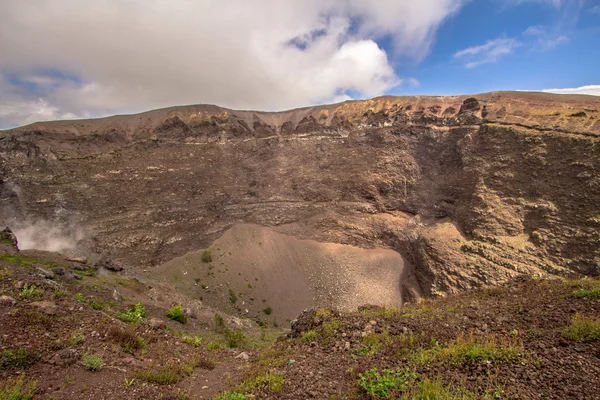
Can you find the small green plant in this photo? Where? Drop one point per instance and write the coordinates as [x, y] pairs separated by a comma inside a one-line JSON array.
[[194, 341], [92, 362], [232, 297], [206, 256], [330, 328], [269, 382], [234, 337], [214, 345], [133, 313], [383, 385], [583, 329], [77, 338], [17, 389], [79, 297], [176, 314], [20, 359], [31, 293], [129, 382], [97, 305], [268, 310], [219, 323], [59, 295], [309, 336], [593, 293]]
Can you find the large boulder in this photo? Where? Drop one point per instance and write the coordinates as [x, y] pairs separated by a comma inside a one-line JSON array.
[[8, 239]]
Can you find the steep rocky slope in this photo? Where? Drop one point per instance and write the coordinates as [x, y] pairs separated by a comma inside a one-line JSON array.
[[471, 190]]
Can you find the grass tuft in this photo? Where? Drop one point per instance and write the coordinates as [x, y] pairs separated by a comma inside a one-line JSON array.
[[31, 293], [387, 383], [20, 359], [17, 389], [133, 313], [206, 256], [92, 362], [176, 314], [583, 329]]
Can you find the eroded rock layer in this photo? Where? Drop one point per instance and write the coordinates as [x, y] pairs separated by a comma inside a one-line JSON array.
[[471, 190]]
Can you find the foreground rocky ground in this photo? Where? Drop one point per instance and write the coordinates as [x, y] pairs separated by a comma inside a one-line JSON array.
[[71, 331]]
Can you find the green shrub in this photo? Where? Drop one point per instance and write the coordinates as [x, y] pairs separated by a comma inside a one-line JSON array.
[[383, 385], [31, 293], [268, 310], [16, 389], [176, 314], [234, 337], [133, 313], [583, 329], [194, 341], [206, 256], [92, 362], [309, 336], [214, 345], [20, 359]]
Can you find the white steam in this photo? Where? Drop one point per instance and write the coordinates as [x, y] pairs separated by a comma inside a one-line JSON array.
[[44, 235]]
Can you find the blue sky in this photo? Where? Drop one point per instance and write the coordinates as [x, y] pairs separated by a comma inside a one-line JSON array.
[[66, 59], [550, 44]]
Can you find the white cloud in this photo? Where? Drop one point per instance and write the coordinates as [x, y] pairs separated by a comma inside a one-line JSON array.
[[588, 89], [542, 39], [69, 57], [595, 9], [489, 52]]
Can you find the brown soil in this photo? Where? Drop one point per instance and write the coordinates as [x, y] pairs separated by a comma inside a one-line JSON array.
[[264, 269]]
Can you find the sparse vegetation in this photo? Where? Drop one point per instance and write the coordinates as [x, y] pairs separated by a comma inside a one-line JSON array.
[[17, 389], [383, 385], [79, 297], [268, 310], [234, 337], [232, 297], [309, 336], [231, 396], [133, 313], [176, 314], [19, 359], [77, 338], [171, 374], [583, 329], [93, 362], [31, 293], [472, 348], [269, 382], [127, 339], [206, 256], [593, 293], [194, 341]]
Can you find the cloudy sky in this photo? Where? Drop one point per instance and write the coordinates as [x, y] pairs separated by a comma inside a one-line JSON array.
[[81, 59]]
